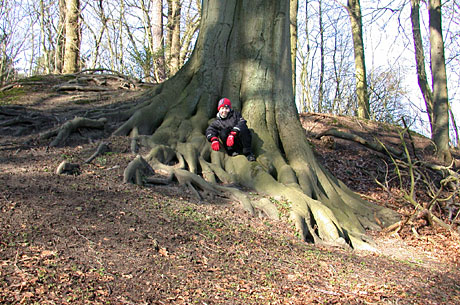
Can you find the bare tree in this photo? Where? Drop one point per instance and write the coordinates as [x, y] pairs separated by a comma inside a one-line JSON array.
[[440, 134], [158, 41], [97, 34], [192, 16], [386, 93], [60, 38], [420, 60], [173, 35], [322, 56], [354, 10], [43, 39], [11, 41], [72, 37], [294, 7]]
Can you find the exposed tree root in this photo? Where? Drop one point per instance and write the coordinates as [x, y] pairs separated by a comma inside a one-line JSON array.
[[64, 131], [20, 121], [315, 221], [89, 80], [68, 168], [172, 120], [136, 171], [67, 87], [101, 149], [322, 208], [352, 137]]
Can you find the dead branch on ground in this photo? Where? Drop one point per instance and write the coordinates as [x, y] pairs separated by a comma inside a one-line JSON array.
[[415, 171]]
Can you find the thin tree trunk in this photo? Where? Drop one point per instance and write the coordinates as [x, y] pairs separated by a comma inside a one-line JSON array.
[[121, 53], [338, 81], [98, 38], [454, 124], [306, 100], [322, 65], [354, 10], [72, 37], [294, 7], [173, 37], [158, 41], [420, 60], [59, 52], [46, 60], [440, 134]]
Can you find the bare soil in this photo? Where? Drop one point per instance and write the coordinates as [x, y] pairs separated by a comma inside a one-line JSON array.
[[90, 239]]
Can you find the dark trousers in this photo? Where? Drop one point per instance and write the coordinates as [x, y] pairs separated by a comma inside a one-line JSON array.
[[242, 141]]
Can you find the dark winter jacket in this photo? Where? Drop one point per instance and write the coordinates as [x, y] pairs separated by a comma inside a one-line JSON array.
[[221, 127]]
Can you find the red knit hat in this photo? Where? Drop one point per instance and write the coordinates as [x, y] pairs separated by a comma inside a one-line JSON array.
[[224, 102]]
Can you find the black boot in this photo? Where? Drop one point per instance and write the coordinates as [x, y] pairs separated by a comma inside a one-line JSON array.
[[251, 157]]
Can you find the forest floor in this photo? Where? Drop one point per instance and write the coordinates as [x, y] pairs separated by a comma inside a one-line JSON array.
[[90, 239]]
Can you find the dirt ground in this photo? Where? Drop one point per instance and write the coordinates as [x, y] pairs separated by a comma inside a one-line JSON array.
[[90, 239]]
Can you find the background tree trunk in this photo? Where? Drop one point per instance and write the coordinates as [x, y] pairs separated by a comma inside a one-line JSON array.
[[59, 52], [158, 41], [97, 37], [306, 95], [243, 53], [294, 7], [173, 36], [440, 133], [420, 60], [354, 10], [322, 55], [46, 55], [72, 37]]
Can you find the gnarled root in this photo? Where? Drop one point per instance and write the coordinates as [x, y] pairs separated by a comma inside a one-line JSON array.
[[137, 170], [101, 149], [68, 168], [63, 132]]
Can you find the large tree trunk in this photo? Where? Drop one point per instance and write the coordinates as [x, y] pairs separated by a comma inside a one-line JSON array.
[[440, 132], [72, 36], [354, 10], [243, 53]]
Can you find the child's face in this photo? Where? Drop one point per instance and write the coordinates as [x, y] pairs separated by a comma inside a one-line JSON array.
[[223, 111]]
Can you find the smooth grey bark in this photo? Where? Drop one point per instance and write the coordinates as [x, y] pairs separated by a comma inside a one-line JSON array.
[[294, 7], [60, 43], [440, 133], [322, 65], [173, 36], [46, 53], [158, 41], [420, 60], [72, 37], [243, 53], [354, 11]]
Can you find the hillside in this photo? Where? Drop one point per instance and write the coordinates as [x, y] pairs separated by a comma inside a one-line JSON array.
[[88, 238]]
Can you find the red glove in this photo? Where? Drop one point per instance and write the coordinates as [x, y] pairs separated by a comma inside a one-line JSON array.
[[215, 144], [231, 139]]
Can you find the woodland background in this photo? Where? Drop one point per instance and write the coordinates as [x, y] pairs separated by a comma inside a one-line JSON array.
[[151, 39]]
